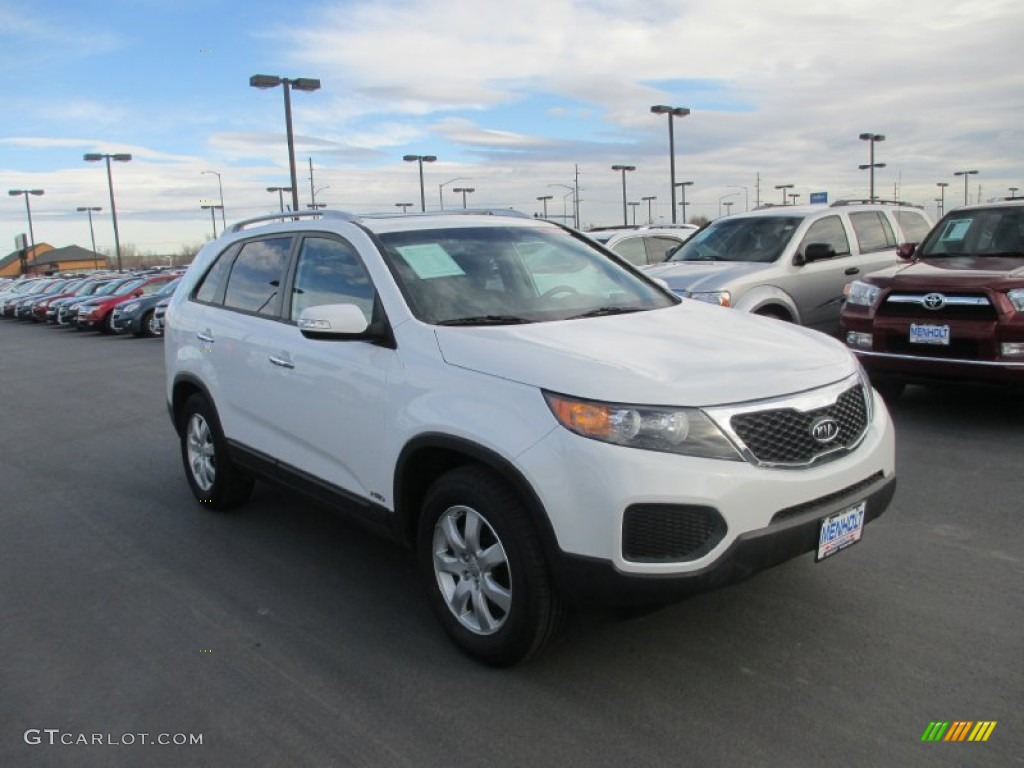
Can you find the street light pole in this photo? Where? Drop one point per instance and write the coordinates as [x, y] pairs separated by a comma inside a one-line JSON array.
[[421, 159], [220, 187], [92, 233], [942, 196], [634, 205], [213, 217], [727, 195], [308, 84], [965, 174], [650, 216], [746, 195], [783, 187], [682, 189], [624, 168], [662, 109], [464, 191], [872, 138], [728, 207], [793, 197], [280, 194], [440, 188], [404, 206], [544, 200], [1013, 192], [28, 210], [575, 207], [121, 158]]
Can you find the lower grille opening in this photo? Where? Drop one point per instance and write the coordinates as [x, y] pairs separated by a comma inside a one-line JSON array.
[[670, 532]]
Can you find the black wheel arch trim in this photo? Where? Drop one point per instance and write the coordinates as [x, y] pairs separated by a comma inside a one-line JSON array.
[[174, 405], [408, 493]]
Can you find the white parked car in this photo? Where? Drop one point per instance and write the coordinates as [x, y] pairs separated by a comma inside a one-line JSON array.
[[542, 425], [643, 245]]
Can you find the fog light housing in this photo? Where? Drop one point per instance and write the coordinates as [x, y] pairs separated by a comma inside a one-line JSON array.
[[1012, 348], [859, 340]]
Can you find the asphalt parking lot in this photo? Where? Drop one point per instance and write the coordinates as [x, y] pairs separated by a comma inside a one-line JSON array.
[[284, 635]]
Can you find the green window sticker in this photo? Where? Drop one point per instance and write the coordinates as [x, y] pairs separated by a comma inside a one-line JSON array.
[[429, 260]]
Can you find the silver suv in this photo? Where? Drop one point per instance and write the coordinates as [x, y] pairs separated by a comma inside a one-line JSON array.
[[791, 262]]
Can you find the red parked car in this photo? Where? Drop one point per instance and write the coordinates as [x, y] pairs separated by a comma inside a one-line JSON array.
[[96, 314], [954, 311]]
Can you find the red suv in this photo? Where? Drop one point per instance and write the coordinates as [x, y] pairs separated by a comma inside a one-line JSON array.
[[953, 311]]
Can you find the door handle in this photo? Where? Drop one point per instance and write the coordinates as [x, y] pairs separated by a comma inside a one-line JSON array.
[[205, 336], [281, 362], [852, 271]]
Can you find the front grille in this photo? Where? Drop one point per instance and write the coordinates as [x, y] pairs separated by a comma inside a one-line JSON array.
[[910, 306], [670, 532], [783, 435]]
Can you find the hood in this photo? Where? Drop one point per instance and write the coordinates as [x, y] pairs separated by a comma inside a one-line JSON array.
[[698, 276], [690, 354], [954, 272]]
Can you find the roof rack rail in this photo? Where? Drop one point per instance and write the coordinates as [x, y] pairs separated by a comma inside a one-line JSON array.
[[453, 212], [876, 201], [238, 226]]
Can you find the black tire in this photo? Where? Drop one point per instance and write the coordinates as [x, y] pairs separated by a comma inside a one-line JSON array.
[[144, 329], [106, 326], [520, 578], [889, 389], [215, 481], [775, 313]]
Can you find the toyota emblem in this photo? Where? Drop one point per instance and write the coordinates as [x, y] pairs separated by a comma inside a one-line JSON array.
[[933, 301]]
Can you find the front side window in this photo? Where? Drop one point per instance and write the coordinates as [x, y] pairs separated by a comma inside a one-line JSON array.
[[330, 272], [873, 231], [632, 250], [510, 274], [254, 284], [828, 230], [915, 226]]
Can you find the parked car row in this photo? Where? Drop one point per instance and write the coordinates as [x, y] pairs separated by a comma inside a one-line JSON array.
[[105, 302]]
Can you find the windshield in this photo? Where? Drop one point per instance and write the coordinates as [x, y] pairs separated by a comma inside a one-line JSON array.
[[753, 238], [505, 275], [982, 232]]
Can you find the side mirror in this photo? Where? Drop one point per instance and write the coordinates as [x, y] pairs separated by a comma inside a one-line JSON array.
[[818, 252], [670, 251], [906, 251], [338, 322]]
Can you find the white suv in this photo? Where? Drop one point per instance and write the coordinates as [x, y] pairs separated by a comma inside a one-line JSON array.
[[542, 424]]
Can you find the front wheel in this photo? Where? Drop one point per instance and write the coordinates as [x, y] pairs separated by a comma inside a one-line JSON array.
[[482, 564], [215, 481]]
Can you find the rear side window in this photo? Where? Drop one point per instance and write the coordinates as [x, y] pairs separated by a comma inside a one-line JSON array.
[[254, 284], [828, 230], [211, 286], [873, 231], [914, 225], [632, 250], [658, 248]]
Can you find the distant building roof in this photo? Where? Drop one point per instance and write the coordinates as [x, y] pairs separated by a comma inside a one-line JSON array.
[[66, 254]]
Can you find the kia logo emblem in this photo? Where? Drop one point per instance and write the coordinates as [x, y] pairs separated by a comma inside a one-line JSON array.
[[825, 430], [934, 301]]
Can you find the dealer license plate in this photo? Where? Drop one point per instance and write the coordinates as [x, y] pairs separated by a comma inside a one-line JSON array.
[[840, 530], [929, 334]]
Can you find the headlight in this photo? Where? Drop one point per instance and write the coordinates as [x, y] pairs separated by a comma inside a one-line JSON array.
[[130, 307], [1016, 297], [862, 294], [721, 298], [671, 430]]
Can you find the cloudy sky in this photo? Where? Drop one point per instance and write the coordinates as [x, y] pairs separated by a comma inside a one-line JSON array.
[[512, 98]]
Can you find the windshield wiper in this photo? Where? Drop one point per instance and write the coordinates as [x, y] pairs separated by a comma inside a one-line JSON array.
[[1000, 254], [606, 311], [486, 320]]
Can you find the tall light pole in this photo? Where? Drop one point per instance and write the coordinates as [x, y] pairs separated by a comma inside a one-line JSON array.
[[440, 188], [220, 187], [308, 84], [464, 191], [746, 195], [93, 157], [575, 207], [649, 199], [784, 187], [28, 210], [544, 199], [634, 205], [421, 159], [662, 109], [942, 196], [1013, 192], [280, 194], [872, 138], [965, 174], [727, 195], [728, 207], [404, 206], [213, 217], [92, 233], [682, 189], [793, 196], [624, 168]]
